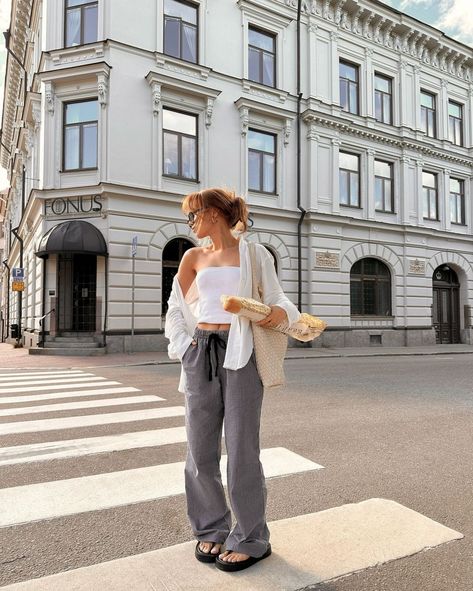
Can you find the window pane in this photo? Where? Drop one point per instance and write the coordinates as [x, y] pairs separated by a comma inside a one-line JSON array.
[[254, 161], [77, 2], [89, 145], [427, 100], [378, 102], [455, 186], [348, 161], [189, 43], [90, 24], [378, 193], [268, 69], [261, 40], [383, 84], [348, 71], [353, 98], [354, 197], [180, 122], [458, 131], [189, 159], [382, 169], [431, 123], [453, 208], [186, 12], [171, 165], [172, 37], [269, 177], [369, 297], [355, 297], [254, 65], [71, 148], [343, 176], [261, 141], [433, 205], [344, 95], [423, 119], [387, 108], [384, 298], [425, 197], [428, 179], [388, 205], [73, 27], [80, 112], [454, 109]]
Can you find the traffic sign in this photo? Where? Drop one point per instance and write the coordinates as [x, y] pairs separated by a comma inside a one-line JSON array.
[[18, 285], [18, 273]]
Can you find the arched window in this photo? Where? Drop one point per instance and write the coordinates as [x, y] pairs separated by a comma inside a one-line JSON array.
[[275, 259], [370, 288], [172, 255]]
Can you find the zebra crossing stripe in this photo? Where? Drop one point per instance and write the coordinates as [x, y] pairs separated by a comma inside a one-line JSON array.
[[26, 410], [79, 379], [89, 420], [306, 550], [103, 382], [39, 376], [47, 500], [72, 448], [58, 395]]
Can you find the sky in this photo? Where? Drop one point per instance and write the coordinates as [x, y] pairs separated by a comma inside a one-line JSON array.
[[453, 17]]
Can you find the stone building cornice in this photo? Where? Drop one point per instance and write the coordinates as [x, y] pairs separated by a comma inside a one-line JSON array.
[[387, 27], [314, 120], [19, 38]]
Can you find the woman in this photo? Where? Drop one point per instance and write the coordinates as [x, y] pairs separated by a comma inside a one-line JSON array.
[[220, 379]]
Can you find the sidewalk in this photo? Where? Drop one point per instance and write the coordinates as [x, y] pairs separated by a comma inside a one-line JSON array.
[[11, 358]]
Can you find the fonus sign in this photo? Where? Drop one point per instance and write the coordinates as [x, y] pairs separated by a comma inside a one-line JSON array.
[[73, 206]]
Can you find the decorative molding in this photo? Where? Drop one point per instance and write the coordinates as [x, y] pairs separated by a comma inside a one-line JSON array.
[[327, 260], [416, 267], [102, 89], [177, 66], [156, 97], [49, 96], [209, 111], [267, 93], [244, 120], [287, 131]]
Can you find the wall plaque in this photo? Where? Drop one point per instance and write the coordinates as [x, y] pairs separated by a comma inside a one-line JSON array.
[[417, 267], [73, 206], [327, 260]]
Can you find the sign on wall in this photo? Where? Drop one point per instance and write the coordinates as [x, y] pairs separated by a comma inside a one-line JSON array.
[[18, 285], [80, 206]]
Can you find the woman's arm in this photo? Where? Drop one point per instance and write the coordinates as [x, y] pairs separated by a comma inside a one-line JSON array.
[[273, 294]]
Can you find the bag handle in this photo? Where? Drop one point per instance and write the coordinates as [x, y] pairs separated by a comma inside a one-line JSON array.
[[256, 291]]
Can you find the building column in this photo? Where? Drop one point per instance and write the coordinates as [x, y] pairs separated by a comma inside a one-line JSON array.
[[312, 56], [444, 198], [416, 116], [443, 111], [369, 184], [419, 196], [335, 175], [403, 191], [313, 168], [335, 70], [368, 100]]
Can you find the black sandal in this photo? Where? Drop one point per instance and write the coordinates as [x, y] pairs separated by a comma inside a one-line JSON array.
[[242, 564], [205, 556]]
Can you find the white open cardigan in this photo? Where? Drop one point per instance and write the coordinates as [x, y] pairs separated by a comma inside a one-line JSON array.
[[182, 314]]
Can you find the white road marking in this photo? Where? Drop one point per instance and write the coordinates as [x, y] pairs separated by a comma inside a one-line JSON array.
[[59, 395], [344, 540], [88, 420], [26, 410], [71, 448], [47, 500], [103, 382], [40, 376], [79, 379]]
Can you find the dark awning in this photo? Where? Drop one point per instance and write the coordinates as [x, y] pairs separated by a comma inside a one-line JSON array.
[[74, 236]]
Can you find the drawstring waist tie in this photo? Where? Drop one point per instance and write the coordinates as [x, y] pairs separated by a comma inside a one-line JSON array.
[[215, 339]]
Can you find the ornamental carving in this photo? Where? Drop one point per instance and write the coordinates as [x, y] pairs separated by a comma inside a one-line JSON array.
[[417, 267], [327, 260]]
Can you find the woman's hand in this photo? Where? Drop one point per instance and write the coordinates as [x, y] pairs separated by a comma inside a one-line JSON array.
[[275, 317]]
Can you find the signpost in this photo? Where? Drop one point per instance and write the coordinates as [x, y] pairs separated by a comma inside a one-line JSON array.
[[18, 285], [134, 248]]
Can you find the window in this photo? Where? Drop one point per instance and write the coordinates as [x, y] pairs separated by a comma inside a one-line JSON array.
[[349, 177], [370, 288], [180, 30], [383, 186], [261, 161], [455, 123], [349, 87], [261, 57], [429, 192], [179, 144], [427, 113], [81, 22], [80, 135], [457, 201], [383, 99]]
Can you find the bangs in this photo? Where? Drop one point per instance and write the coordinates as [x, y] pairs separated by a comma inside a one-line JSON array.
[[192, 202]]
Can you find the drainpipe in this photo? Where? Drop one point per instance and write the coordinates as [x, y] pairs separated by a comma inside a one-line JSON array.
[[20, 293], [298, 181], [8, 297]]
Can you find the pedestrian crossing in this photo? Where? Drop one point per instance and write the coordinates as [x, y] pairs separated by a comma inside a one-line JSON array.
[[89, 401]]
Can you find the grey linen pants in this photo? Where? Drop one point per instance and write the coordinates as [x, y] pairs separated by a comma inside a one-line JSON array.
[[216, 396]]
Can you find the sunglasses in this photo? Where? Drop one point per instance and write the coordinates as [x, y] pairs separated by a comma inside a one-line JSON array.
[[191, 216]]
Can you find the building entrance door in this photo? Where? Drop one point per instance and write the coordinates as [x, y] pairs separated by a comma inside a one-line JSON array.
[[77, 291], [446, 305]]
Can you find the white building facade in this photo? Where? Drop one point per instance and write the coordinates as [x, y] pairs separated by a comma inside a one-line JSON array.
[[368, 216]]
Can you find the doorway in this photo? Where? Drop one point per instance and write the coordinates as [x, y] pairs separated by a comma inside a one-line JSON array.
[[77, 292], [446, 305]]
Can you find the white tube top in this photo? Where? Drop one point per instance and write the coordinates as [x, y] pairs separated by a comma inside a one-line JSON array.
[[212, 282]]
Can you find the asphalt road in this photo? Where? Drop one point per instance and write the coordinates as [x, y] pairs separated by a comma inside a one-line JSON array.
[[385, 427]]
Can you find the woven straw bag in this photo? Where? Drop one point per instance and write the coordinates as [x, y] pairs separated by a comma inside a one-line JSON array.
[[270, 346]]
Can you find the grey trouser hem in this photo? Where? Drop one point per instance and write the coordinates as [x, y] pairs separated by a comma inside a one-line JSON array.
[[232, 398]]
